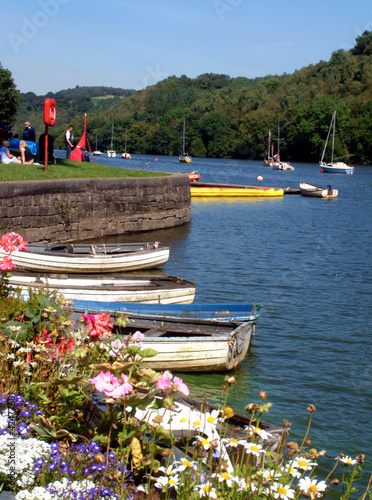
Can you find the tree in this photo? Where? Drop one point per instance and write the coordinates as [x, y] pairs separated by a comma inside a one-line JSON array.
[[363, 44], [9, 95]]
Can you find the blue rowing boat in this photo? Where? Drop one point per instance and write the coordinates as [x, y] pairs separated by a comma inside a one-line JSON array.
[[220, 312]]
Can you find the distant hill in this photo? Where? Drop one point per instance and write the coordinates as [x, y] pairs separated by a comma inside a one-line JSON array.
[[227, 117]]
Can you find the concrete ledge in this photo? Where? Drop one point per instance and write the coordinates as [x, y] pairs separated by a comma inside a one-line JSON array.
[[79, 209]]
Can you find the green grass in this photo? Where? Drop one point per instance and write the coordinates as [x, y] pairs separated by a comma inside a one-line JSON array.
[[67, 169]]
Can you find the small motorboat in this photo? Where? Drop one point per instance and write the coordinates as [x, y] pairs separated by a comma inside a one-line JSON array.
[[193, 176], [317, 192], [89, 258]]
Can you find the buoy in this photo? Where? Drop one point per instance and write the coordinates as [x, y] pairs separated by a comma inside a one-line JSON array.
[[260, 178], [321, 170], [156, 159]]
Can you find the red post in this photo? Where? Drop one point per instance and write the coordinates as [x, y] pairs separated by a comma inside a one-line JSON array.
[[46, 149], [50, 114]]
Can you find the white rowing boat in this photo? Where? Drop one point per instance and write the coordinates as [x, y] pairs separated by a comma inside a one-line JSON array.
[[113, 288], [86, 258], [317, 192], [185, 344]]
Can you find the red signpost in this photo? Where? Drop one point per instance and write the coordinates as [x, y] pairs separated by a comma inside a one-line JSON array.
[[50, 114]]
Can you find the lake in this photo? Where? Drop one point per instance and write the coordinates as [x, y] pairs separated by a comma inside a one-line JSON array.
[[307, 261]]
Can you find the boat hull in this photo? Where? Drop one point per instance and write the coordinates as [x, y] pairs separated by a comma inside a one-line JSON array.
[[119, 288], [282, 166], [336, 168], [90, 259], [317, 192], [187, 345], [211, 354], [216, 312], [235, 192], [184, 159]]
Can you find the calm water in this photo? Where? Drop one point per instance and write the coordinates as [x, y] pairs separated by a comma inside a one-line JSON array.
[[308, 262]]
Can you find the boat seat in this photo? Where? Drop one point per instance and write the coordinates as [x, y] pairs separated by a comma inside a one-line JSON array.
[[60, 248]]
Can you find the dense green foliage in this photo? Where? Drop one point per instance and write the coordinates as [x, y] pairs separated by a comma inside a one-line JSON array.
[[67, 169], [228, 117], [9, 95]]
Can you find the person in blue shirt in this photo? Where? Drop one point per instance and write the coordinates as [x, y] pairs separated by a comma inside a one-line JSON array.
[[5, 156], [29, 133]]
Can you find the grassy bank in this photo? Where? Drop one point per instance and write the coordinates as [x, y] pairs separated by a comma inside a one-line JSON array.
[[67, 169]]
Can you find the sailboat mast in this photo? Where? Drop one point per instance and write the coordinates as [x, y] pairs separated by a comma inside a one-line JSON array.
[[183, 138], [125, 146], [269, 145], [333, 135], [112, 135], [278, 138]]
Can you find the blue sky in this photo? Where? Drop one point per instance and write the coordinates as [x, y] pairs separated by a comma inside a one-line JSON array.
[[51, 45]]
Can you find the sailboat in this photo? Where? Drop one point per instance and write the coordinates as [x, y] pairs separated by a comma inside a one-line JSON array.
[[268, 161], [111, 153], [82, 151], [277, 164], [334, 166], [125, 155], [183, 157], [96, 152]]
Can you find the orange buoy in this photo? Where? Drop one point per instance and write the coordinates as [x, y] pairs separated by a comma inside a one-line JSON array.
[[260, 178]]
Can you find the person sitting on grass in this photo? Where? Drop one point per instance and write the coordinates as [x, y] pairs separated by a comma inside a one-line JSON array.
[[5, 156], [26, 154]]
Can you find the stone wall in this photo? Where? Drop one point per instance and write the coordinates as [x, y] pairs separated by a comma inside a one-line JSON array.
[[77, 209]]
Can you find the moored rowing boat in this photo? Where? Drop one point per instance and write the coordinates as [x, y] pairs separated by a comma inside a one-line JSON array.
[[86, 258], [184, 344], [114, 288]]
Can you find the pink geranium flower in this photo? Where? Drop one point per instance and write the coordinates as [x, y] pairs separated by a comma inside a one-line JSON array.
[[116, 346], [138, 337], [7, 264], [101, 380], [11, 242], [115, 389], [165, 381], [181, 386]]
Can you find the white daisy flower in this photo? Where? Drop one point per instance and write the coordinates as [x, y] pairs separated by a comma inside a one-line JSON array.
[[248, 487], [303, 463], [293, 471], [225, 478], [187, 464], [347, 460], [311, 487], [165, 482], [206, 490], [204, 442], [271, 474], [168, 471], [282, 491], [230, 442], [254, 449]]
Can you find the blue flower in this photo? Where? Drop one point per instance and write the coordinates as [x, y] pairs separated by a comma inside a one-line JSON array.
[[25, 413]]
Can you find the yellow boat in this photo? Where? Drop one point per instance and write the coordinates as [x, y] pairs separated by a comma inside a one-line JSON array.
[[212, 190]]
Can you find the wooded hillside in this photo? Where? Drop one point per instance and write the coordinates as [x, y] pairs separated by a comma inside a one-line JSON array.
[[226, 117]]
